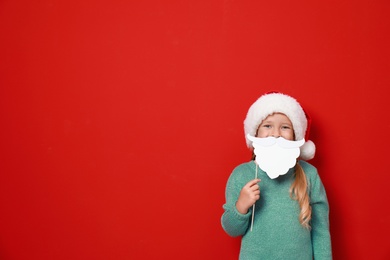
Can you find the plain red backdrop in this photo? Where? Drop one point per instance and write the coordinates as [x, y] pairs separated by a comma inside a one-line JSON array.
[[122, 120]]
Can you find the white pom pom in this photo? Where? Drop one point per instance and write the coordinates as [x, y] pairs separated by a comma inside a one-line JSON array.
[[308, 151]]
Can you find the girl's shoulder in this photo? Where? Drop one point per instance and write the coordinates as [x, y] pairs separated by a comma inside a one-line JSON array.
[[244, 169], [310, 171], [308, 168]]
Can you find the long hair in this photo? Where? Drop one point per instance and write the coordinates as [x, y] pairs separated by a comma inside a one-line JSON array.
[[299, 192]]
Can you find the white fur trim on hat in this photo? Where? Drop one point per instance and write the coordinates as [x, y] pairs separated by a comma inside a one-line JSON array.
[[308, 150], [269, 104]]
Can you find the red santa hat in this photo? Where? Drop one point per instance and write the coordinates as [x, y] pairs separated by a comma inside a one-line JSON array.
[[275, 102]]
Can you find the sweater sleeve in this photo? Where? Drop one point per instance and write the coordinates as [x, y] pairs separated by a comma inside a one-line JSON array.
[[320, 220], [233, 222]]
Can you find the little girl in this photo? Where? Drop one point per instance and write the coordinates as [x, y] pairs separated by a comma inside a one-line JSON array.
[[283, 216]]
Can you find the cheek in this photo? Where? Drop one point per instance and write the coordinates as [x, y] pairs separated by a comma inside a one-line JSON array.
[[289, 136], [262, 133]]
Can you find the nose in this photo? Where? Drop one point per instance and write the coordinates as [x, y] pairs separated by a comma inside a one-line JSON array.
[[275, 132]]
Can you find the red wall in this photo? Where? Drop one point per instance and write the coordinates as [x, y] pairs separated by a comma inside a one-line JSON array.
[[122, 120]]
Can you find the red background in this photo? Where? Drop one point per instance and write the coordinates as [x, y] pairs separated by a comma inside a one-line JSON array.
[[122, 120]]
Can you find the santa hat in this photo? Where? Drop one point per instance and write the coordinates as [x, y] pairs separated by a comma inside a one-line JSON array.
[[275, 102]]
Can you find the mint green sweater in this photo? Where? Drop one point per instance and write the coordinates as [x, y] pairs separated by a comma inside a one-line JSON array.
[[277, 232]]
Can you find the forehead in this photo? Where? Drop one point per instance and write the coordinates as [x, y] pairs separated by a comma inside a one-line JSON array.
[[279, 117]]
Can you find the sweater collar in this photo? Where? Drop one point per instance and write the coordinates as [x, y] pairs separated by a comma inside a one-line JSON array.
[[260, 172]]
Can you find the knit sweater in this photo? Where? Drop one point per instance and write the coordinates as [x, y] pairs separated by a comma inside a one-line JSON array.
[[277, 232]]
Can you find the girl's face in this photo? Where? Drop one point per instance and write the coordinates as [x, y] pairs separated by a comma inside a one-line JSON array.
[[276, 125]]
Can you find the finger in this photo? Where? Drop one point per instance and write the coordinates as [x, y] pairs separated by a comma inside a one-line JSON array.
[[252, 182], [255, 187]]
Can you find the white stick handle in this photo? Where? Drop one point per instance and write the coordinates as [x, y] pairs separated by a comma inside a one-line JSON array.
[[253, 210]]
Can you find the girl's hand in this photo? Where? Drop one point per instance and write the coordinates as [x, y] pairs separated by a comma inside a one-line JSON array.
[[249, 194]]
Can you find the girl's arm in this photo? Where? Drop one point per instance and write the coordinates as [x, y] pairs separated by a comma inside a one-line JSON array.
[[233, 222], [320, 234]]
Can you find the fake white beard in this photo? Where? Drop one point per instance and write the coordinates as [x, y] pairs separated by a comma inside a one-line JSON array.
[[275, 156]]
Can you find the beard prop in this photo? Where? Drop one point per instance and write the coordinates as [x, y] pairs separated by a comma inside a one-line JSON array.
[[275, 156]]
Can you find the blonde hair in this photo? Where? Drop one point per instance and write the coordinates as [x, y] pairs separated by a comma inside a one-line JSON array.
[[299, 192]]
